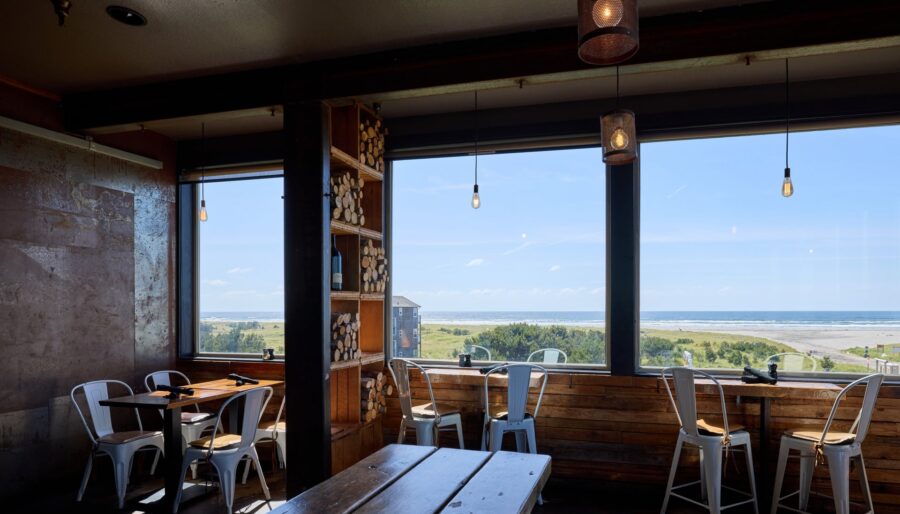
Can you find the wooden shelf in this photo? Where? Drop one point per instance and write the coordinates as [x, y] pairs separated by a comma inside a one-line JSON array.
[[372, 297], [371, 358], [345, 364], [369, 173], [345, 295], [369, 233], [365, 171], [343, 228]]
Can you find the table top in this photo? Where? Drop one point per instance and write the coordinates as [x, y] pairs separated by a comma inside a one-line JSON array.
[[406, 478], [473, 376], [203, 392], [782, 389]]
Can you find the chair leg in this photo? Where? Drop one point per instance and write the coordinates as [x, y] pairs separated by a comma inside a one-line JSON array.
[[675, 460], [184, 467], [807, 466], [485, 433], [864, 484], [247, 464], [750, 474], [281, 444], [839, 469], [155, 461], [712, 464], [520, 441], [402, 434], [262, 479], [121, 466], [87, 475], [702, 477], [425, 434], [227, 482], [459, 434], [783, 454], [496, 435]]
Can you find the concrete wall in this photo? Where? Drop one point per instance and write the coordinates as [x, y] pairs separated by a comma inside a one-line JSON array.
[[87, 285]]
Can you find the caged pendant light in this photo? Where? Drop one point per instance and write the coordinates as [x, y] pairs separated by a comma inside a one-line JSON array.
[[607, 31], [618, 133]]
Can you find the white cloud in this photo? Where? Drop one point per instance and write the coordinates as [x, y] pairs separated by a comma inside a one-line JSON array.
[[216, 282], [673, 194], [555, 267], [475, 262], [518, 248], [239, 269]]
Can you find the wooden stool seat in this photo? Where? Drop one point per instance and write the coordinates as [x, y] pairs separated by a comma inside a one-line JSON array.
[[706, 428], [814, 436], [222, 441], [127, 437], [427, 411]]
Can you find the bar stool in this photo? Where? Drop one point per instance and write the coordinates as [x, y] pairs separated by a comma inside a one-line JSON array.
[[838, 448], [427, 419], [710, 439]]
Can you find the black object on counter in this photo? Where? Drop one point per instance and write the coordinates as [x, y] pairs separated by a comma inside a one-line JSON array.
[[174, 391], [239, 380]]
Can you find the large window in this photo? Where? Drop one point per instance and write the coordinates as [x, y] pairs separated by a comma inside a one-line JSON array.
[[241, 268], [523, 273], [732, 273]]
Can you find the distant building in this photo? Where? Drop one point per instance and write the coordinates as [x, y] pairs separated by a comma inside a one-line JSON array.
[[407, 341]]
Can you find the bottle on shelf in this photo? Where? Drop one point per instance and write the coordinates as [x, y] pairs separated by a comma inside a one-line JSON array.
[[337, 278]]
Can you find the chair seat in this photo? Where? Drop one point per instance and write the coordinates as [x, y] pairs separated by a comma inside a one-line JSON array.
[[195, 417], [222, 441], [706, 428], [427, 411], [281, 426], [503, 415], [814, 436], [127, 437]]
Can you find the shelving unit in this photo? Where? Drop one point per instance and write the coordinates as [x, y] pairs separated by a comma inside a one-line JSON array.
[[352, 438]]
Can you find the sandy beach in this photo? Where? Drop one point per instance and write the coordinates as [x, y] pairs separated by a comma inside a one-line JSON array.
[[816, 339]]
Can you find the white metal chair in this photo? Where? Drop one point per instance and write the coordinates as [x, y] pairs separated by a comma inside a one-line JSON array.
[[193, 423], [710, 439], [275, 432], [427, 419], [794, 361], [475, 347], [688, 359], [838, 448], [225, 451], [119, 446], [548, 356]]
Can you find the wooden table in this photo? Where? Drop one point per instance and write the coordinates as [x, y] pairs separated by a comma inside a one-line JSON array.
[[765, 393], [474, 377], [203, 392], [423, 479]]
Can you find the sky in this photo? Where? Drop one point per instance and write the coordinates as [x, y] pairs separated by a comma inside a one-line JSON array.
[[716, 234]]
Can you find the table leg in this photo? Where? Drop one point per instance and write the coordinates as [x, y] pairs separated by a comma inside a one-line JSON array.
[[764, 482], [174, 456]]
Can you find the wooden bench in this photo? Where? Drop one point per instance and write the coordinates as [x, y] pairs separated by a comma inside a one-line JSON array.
[[421, 479]]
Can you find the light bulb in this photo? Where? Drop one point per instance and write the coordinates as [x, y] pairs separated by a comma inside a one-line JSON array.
[[619, 139], [787, 187], [607, 13], [476, 200], [203, 216]]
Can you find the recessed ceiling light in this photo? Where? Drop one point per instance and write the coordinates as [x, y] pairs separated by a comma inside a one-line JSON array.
[[126, 15]]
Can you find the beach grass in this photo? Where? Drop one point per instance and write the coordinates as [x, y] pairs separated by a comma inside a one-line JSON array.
[[272, 332]]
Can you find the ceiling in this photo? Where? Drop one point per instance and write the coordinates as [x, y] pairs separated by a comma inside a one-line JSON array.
[[193, 38]]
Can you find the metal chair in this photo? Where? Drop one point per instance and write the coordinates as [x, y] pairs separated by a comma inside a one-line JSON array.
[[710, 439], [193, 424], [474, 347], [427, 419], [225, 451], [119, 446], [275, 432], [794, 361], [549, 356], [838, 448]]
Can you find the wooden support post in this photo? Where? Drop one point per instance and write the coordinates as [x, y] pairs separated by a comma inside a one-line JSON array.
[[623, 212], [307, 307]]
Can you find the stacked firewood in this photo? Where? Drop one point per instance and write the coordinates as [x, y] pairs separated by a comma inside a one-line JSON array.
[[346, 198], [344, 337], [373, 394], [373, 268], [371, 144]]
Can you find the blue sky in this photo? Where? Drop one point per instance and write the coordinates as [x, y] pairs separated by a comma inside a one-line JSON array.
[[716, 233]]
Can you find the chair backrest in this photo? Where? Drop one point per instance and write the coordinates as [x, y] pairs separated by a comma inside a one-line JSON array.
[[400, 372], [793, 361], [517, 385], [548, 356], [485, 351], [101, 418], [164, 377], [255, 401], [860, 426], [685, 399], [688, 359]]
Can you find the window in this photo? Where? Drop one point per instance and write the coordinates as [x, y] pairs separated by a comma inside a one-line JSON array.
[[524, 272], [732, 273], [241, 268]]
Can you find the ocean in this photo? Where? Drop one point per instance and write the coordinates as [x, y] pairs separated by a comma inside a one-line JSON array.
[[812, 319]]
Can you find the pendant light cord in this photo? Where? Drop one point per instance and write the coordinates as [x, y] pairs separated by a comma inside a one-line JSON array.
[[202, 161], [617, 88], [476, 137], [787, 112]]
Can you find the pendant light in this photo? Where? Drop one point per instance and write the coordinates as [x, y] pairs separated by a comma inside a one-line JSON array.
[[618, 133], [476, 200], [607, 31], [787, 187], [203, 215]]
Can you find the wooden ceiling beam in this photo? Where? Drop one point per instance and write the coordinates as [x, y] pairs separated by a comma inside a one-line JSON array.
[[436, 68]]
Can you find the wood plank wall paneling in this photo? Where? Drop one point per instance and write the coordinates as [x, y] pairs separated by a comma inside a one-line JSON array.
[[624, 429]]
